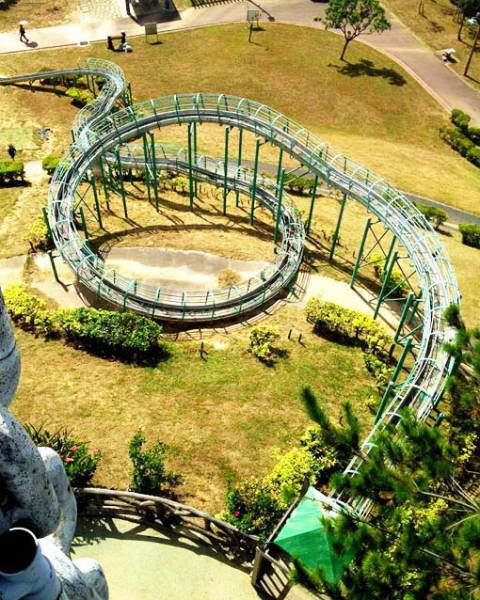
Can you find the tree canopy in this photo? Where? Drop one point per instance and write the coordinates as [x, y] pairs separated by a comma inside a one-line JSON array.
[[354, 17]]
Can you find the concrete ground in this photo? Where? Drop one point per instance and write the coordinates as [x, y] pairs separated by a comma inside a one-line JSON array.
[[184, 269], [144, 564], [189, 271]]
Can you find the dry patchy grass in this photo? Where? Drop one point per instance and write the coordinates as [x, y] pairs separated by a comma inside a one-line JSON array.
[[222, 417]]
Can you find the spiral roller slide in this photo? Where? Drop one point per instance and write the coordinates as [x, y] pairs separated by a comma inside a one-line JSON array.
[[102, 133]]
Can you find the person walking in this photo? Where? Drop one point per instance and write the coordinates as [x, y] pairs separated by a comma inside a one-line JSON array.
[[23, 33], [12, 151]]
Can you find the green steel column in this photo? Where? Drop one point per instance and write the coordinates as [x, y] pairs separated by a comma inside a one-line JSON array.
[[225, 171], [47, 224], [254, 184], [104, 181], [383, 401], [312, 204], [337, 228], [415, 306], [389, 253], [95, 199], [190, 175], [195, 183], [360, 252], [54, 266], [154, 168], [147, 166], [122, 188], [401, 360], [279, 205], [279, 167], [386, 279], [403, 316], [239, 161], [84, 223]]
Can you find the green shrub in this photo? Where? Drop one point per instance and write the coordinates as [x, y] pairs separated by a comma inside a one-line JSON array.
[[80, 462], [256, 506], [27, 311], [263, 342], [460, 119], [396, 282], [37, 236], [49, 163], [300, 185], [470, 234], [379, 369], [11, 171], [473, 155], [348, 324], [149, 474], [122, 335], [474, 134], [109, 331], [434, 215], [80, 96], [457, 140]]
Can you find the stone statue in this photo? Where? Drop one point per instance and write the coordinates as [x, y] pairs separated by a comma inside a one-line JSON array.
[[38, 511]]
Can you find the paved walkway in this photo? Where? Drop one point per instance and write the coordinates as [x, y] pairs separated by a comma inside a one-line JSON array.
[[399, 43], [145, 564]]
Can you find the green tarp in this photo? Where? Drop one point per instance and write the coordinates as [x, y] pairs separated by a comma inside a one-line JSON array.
[[303, 537]]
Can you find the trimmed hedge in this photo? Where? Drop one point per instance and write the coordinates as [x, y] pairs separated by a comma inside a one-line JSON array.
[[434, 215], [349, 324], [470, 234], [49, 163], [107, 333], [11, 171], [462, 138], [457, 140], [460, 119]]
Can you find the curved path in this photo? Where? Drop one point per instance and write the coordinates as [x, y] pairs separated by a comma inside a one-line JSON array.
[[98, 132]]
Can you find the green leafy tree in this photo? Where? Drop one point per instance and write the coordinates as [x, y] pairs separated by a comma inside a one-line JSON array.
[[354, 17]]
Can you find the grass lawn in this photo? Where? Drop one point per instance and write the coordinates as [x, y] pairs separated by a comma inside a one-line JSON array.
[[378, 115], [438, 28], [222, 417]]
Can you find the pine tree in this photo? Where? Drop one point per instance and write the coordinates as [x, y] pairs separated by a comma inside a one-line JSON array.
[[422, 539]]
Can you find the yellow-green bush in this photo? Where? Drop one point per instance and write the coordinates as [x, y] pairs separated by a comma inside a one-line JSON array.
[[348, 324], [37, 236], [256, 506]]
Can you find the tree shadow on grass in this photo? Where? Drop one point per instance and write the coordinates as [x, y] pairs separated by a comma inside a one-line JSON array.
[[6, 4], [367, 68]]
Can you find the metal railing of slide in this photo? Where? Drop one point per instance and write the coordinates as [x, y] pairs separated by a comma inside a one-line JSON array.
[[437, 281]]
